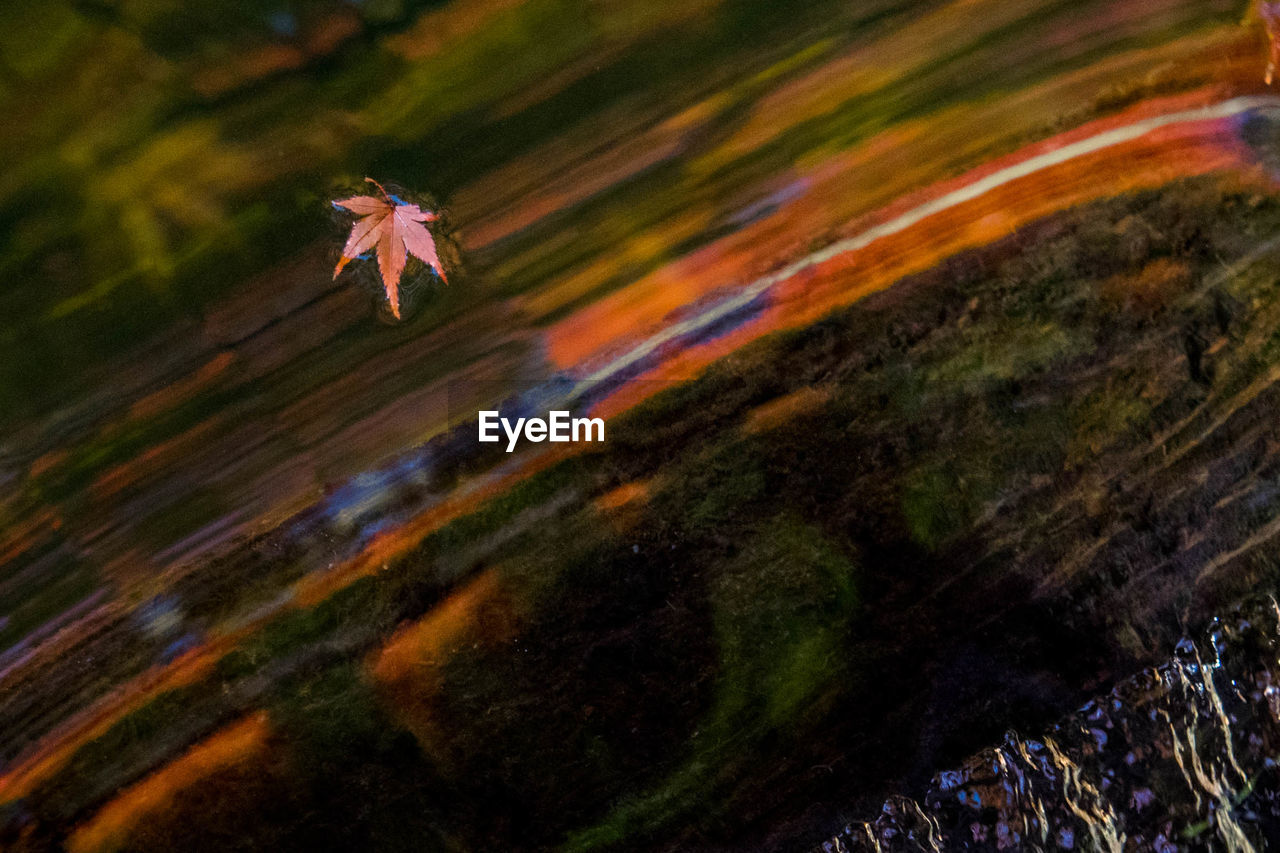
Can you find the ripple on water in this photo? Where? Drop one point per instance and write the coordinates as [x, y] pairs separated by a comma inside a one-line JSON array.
[[1180, 757]]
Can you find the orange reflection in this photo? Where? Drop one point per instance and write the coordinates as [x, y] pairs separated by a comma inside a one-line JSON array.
[[111, 827], [960, 223], [56, 748], [408, 667]]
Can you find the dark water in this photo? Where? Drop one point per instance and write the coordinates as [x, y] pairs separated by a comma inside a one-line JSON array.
[[1180, 757]]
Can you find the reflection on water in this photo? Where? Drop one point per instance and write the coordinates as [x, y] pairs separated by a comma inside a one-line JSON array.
[[1180, 757], [234, 494]]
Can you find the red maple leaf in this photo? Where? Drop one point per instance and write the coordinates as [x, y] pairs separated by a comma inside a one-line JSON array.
[[396, 230]]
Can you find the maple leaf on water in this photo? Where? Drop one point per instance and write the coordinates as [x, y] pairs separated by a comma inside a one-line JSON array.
[[396, 230]]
